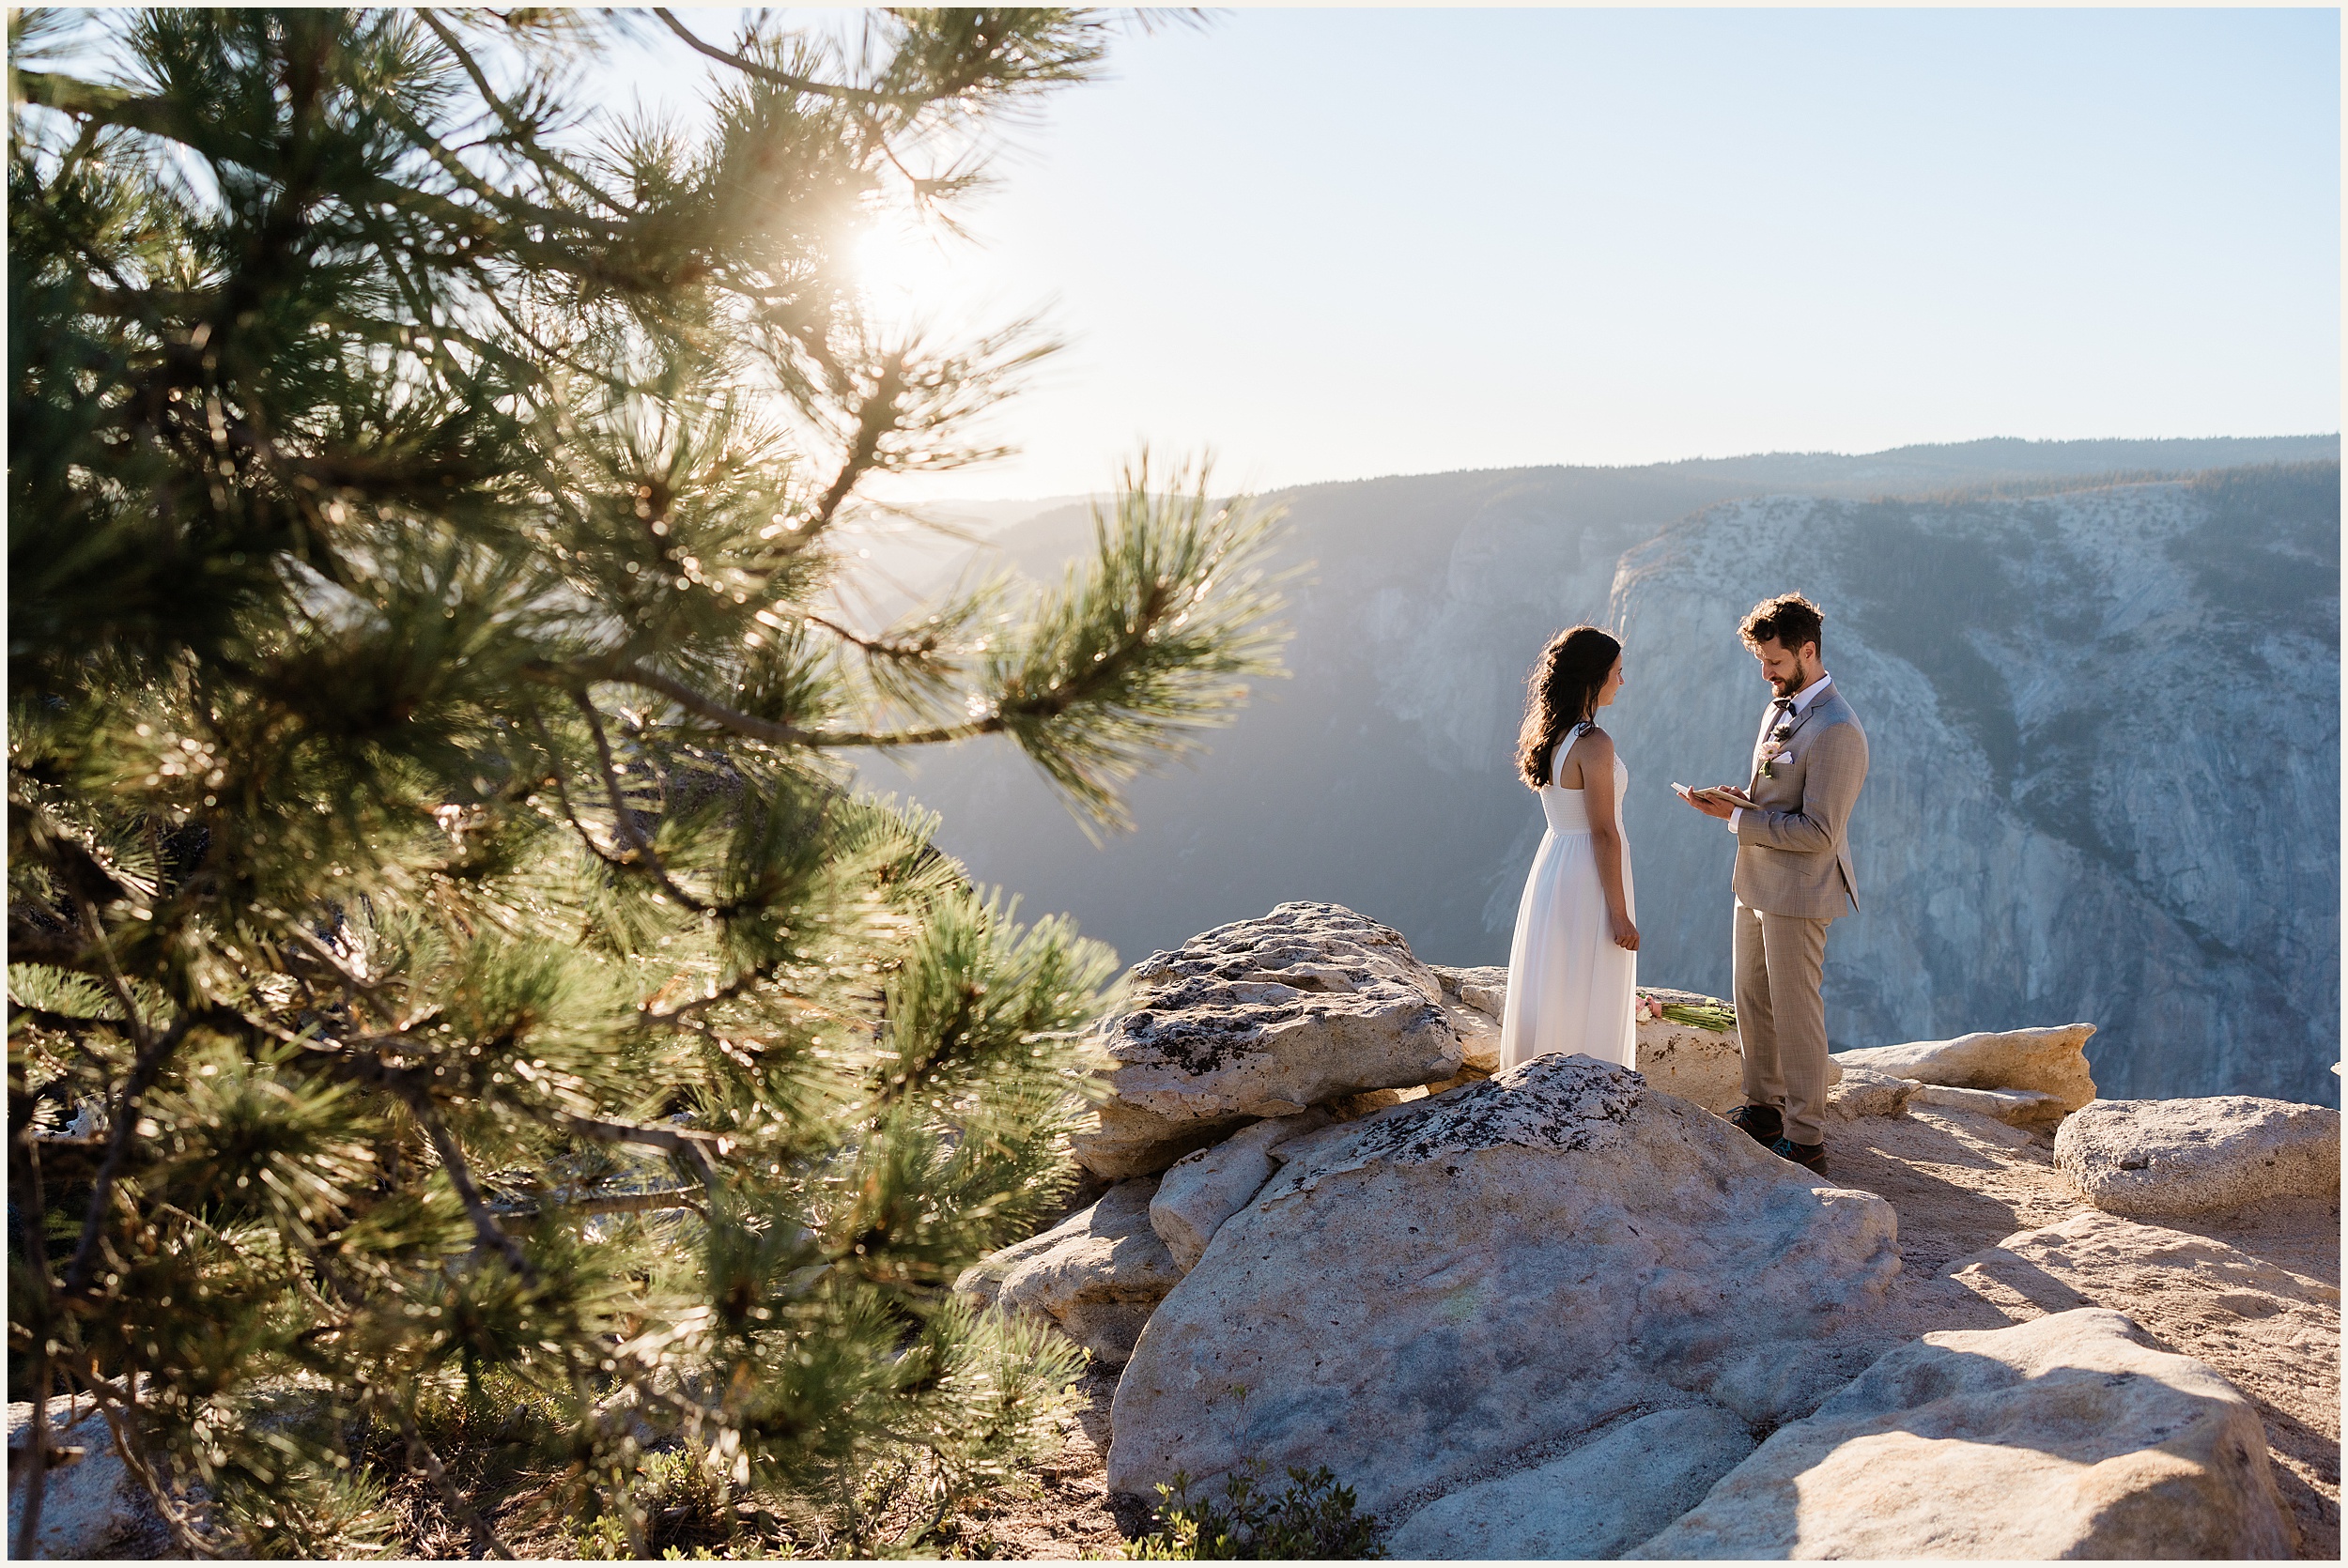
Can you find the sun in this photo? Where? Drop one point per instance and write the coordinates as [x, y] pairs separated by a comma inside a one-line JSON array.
[[905, 271]]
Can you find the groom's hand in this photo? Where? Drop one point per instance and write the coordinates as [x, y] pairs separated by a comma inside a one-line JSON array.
[[1712, 807]]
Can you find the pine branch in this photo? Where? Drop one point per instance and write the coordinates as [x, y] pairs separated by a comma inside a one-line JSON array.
[[98, 104], [875, 419], [161, 117], [524, 137], [485, 1223], [686, 1147], [785, 79], [1027, 708], [923, 652], [616, 1203], [683, 1011], [120, 1414], [640, 846], [153, 1051], [579, 673]]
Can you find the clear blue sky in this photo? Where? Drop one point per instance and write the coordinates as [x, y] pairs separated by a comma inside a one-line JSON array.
[[1336, 243]]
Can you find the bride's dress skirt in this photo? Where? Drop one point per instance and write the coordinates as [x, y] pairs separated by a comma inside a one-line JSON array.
[[1569, 986]]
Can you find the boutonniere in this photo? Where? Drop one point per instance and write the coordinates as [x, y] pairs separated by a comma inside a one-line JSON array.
[[1771, 747]]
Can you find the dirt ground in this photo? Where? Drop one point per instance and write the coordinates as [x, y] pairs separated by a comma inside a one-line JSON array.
[[1962, 1184], [2261, 1307], [1068, 1511]]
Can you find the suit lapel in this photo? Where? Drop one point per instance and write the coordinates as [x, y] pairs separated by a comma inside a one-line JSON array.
[[1800, 719], [1804, 717]]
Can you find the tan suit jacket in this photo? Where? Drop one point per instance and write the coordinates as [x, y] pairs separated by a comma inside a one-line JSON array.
[[1793, 855]]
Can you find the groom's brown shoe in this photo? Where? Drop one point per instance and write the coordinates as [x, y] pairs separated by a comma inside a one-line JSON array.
[[1763, 1124], [1810, 1157]]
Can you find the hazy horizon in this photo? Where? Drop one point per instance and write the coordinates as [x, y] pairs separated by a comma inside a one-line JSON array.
[[1008, 501]]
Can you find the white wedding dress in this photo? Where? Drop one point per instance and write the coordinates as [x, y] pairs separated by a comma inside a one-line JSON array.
[[1569, 987]]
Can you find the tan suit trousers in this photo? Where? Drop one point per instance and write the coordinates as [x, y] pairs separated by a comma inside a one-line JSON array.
[[1781, 1017]]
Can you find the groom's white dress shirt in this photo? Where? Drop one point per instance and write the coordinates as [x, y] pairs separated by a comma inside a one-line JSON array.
[[1803, 700]]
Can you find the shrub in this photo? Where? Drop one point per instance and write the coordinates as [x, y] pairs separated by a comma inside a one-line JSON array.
[[1312, 1517]]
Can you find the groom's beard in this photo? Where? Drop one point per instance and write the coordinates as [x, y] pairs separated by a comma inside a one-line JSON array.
[[1786, 687]]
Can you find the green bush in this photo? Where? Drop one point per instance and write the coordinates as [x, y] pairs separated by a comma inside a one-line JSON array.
[[1312, 1517], [684, 1506]]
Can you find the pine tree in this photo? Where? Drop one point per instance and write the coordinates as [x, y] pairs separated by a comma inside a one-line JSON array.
[[464, 1023]]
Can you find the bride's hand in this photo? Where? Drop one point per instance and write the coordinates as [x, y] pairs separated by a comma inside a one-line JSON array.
[[1625, 932]]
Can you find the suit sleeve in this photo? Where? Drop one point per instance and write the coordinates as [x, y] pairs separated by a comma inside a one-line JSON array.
[[1830, 788]]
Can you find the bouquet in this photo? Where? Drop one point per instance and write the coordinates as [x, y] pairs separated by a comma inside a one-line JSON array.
[[1647, 1007]]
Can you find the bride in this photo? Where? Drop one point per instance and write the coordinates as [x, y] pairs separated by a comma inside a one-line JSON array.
[[1573, 965]]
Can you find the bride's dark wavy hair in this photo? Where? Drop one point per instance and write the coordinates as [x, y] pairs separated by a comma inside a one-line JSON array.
[[1561, 692]]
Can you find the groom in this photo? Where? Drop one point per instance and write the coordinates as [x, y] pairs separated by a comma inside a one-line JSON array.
[[1793, 876]]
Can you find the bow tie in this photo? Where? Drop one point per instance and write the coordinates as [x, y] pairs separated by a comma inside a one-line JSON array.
[[1783, 707]]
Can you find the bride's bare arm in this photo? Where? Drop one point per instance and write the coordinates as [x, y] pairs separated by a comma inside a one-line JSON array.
[[1595, 752]]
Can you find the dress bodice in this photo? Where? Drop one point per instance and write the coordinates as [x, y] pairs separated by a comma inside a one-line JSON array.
[[1566, 808]]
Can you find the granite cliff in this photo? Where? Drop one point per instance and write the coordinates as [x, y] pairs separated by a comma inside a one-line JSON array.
[[2104, 726]]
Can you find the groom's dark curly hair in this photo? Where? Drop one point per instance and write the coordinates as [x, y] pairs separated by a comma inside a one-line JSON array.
[[1789, 621], [1561, 692]]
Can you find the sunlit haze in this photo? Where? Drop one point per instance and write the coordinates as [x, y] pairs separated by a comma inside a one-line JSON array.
[[1331, 244]]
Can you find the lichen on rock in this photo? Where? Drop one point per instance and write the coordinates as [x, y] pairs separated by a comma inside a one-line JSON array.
[[1306, 1005], [1417, 1295], [1577, 1103]]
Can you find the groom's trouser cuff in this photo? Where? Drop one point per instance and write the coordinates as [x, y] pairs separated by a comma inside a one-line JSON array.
[[1781, 1017]]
